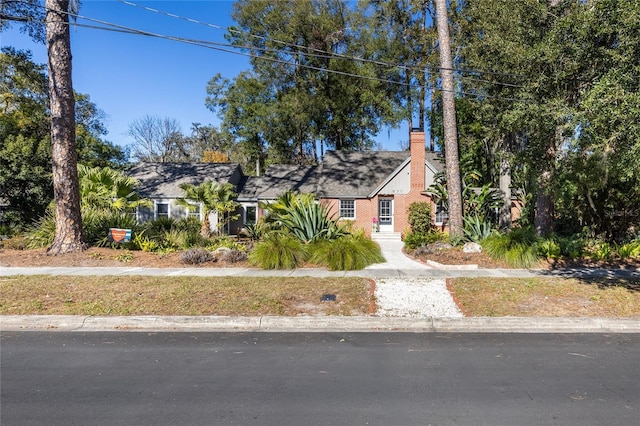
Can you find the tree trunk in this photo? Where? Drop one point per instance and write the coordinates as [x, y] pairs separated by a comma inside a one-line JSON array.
[[544, 206], [505, 189], [452, 160], [68, 235]]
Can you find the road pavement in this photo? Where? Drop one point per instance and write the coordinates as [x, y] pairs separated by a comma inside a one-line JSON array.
[[338, 378]]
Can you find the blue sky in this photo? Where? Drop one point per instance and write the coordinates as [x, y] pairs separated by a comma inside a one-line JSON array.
[[131, 76]]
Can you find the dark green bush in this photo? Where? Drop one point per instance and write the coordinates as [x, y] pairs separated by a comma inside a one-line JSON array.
[[420, 218], [413, 240]]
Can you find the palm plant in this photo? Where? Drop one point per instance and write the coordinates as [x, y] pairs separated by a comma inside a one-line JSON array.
[[212, 196], [108, 189]]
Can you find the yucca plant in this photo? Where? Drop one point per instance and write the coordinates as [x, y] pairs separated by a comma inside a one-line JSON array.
[[278, 250]]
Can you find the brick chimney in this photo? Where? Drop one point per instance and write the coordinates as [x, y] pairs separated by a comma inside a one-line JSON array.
[[417, 146]]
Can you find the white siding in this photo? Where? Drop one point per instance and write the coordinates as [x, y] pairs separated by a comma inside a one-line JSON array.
[[400, 184]]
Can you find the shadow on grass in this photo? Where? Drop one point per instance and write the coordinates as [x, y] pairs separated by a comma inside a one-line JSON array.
[[602, 277]]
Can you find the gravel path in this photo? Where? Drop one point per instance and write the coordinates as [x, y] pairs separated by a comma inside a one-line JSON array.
[[414, 298]]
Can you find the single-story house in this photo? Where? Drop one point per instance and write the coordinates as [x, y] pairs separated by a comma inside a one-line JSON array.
[[371, 188]]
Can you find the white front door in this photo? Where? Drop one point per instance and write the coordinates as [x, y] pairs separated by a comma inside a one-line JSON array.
[[385, 214]]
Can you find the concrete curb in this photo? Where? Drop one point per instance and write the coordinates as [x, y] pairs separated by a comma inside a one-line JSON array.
[[69, 323]]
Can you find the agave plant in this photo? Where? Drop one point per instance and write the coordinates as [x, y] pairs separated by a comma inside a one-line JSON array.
[[304, 218], [476, 229]]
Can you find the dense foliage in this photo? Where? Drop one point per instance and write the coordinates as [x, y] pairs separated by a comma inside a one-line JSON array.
[[25, 144]]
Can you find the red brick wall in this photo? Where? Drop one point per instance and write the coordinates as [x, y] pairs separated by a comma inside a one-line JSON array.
[[366, 210]]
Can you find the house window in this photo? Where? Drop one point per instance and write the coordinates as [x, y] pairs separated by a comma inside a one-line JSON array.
[[194, 211], [250, 215], [162, 210], [347, 209], [442, 214]]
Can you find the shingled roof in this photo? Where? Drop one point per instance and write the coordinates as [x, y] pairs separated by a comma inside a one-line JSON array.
[[357, 174], [278, 179], [163, 180]]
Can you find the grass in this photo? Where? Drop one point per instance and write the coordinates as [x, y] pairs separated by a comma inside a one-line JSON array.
[[141, 295], [242, 296], [547, 297]]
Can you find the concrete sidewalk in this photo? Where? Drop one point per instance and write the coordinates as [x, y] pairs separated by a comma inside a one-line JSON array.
[[397, 266], [381, 271]]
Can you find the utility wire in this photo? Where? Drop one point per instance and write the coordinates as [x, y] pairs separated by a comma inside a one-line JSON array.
[[214, 46], [326, 54]]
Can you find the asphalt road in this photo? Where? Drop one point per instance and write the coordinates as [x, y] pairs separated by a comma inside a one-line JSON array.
[[134, 378]]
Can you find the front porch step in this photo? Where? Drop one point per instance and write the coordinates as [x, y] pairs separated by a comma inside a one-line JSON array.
[[386, 236]]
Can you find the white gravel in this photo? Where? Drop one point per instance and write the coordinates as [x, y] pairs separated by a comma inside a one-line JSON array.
[[415, 298]]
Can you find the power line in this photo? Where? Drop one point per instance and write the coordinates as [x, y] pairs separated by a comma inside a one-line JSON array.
[[215, 46], [326, 54]]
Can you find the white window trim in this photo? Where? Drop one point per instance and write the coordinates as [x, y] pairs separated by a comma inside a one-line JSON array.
[[191, 213], [244, 212], [354, 209], [435, 218], [155, 208]]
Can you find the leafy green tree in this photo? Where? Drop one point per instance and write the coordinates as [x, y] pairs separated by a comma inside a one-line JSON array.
[[25, 159], [212, 197], [301, 91], [401, 33], [560, 93], [25, 141]]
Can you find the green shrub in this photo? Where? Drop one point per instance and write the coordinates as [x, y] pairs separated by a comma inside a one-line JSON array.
[[347, 253], [43, 231], [413, 240], [189, 224], [181, 238], [304, 217], [549, 249], [601, 250], [571, 247], [225, 241], [155, 229], [278, 250], [96, 224], [420, 218], [518, 248], [476, 229], [140, 242], [629, 250]]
